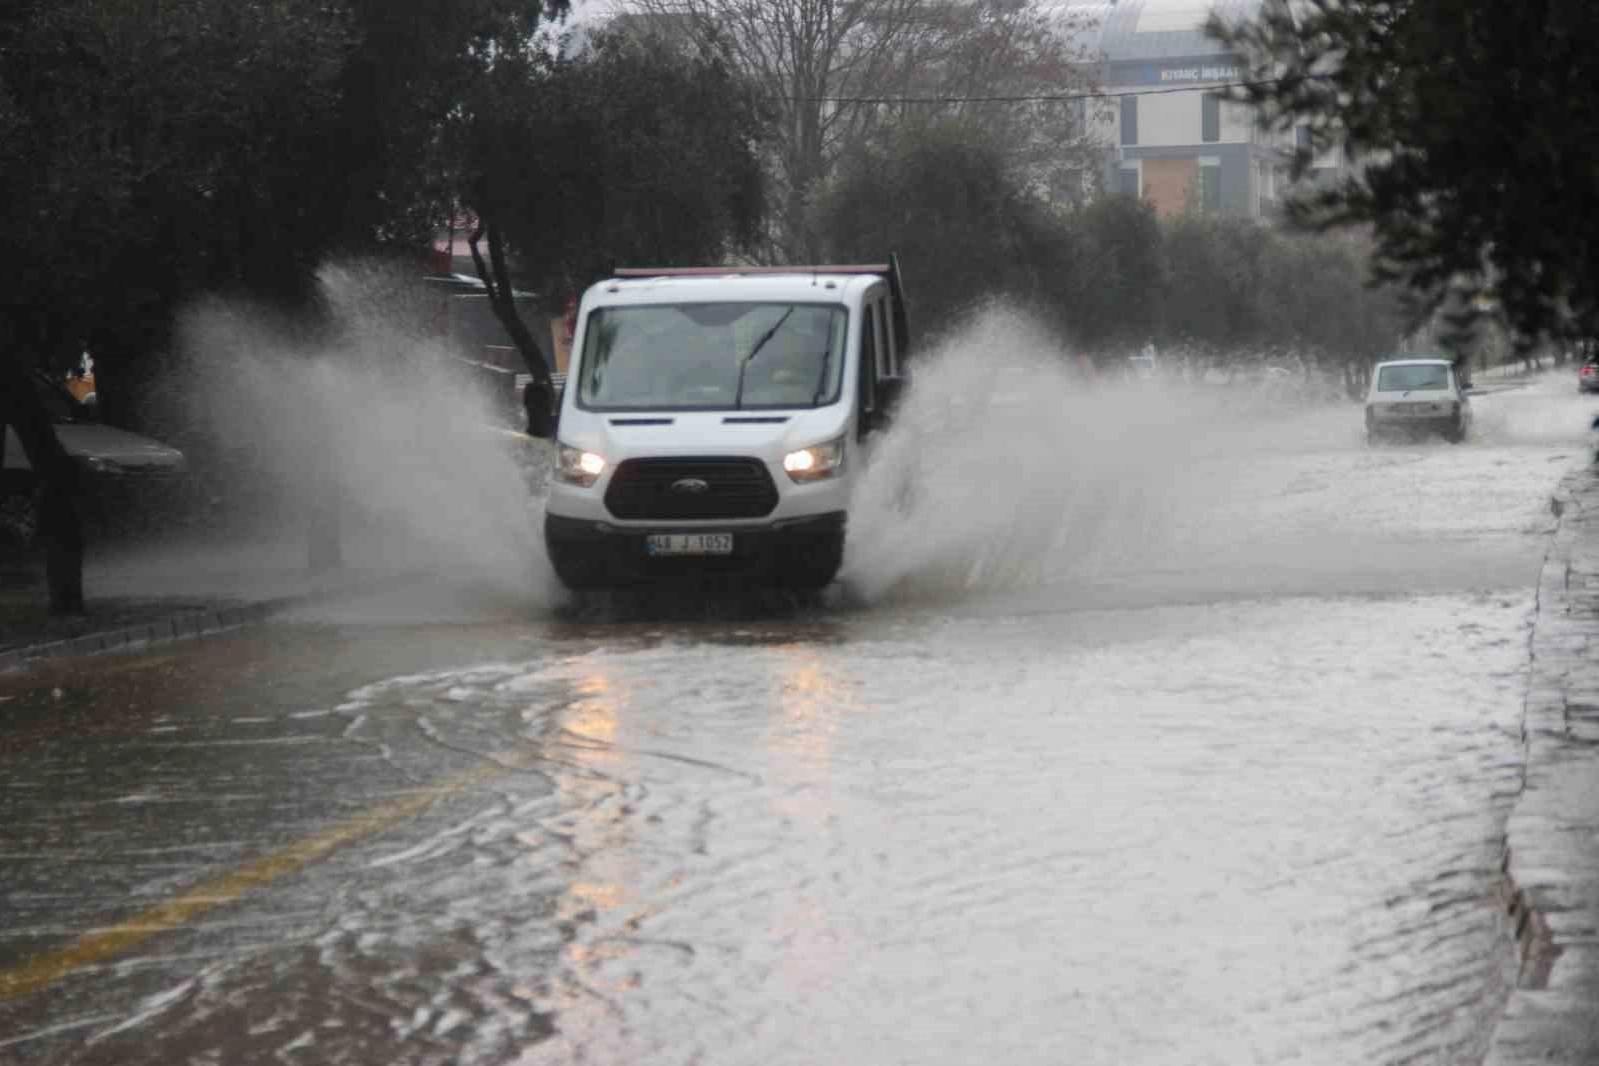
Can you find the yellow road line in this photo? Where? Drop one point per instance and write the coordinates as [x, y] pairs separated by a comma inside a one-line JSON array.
[[43, 970], [139, 659]]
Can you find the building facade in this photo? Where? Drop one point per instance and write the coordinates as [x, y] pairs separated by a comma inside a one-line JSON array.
[[1170, 138]]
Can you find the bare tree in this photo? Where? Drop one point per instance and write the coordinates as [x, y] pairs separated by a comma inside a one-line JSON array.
[[838, 72]]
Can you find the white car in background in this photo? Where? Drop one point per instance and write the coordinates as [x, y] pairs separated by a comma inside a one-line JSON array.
[[1412, 398]]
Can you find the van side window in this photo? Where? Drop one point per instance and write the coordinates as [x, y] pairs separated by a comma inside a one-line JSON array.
[[890, 345], [882, 342], [869, 349]]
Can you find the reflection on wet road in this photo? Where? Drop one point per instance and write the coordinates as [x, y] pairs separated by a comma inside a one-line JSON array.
[[904, 855], [1151, 814]]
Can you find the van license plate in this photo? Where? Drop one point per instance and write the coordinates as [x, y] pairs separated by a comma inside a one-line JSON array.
[[689, 544]]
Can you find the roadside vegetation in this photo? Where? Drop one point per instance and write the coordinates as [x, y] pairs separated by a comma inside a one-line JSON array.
[[1215, 293], [1473, 128]]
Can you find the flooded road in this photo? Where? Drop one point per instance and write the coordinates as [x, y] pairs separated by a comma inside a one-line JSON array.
[[1223, 783]]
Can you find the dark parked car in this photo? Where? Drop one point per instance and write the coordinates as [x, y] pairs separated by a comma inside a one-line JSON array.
[[111, 458]]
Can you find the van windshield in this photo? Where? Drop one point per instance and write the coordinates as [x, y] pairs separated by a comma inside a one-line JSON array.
[[1422, 377], [712, 357]]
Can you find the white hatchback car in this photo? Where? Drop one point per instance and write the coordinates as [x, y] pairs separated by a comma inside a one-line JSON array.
[[1417, 397]]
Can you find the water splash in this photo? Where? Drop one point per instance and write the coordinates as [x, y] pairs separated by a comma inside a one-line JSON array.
[[372, 412], [1010, 470], [1007, 466], [1556, 412]]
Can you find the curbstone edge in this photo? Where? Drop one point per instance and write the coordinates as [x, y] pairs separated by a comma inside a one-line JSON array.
[[186, 624], [1551, 847]]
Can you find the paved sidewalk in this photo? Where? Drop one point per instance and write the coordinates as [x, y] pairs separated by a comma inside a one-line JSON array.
[[171, 594], [1552, 840], [113, 624]]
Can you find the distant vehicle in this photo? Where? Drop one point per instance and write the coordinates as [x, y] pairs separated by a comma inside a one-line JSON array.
[[714, 422], [1588, 376], [104, 453], [1416, 397]]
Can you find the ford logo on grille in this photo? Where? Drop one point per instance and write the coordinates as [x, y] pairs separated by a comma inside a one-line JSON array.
[[691, 486]]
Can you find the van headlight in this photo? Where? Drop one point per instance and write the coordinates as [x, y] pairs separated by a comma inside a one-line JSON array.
[[816, 463], [576, 466]]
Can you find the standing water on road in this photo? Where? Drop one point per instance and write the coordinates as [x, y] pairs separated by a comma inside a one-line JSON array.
[[1174, 738]]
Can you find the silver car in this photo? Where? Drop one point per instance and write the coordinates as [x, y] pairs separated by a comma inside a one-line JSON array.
[[1412, 398]]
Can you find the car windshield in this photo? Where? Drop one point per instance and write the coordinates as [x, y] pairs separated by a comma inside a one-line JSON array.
[[1419, 377], [712, 356]]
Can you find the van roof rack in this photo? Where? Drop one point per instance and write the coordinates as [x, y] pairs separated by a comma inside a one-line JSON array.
[[723, 271]]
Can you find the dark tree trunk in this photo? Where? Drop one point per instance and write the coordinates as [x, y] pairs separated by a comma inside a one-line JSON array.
[[60, 526], [538, 398]]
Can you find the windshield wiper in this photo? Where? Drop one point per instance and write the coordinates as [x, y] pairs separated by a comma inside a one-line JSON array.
[[743, 364]]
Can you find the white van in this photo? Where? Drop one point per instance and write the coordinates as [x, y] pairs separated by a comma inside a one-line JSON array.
[[713, 420]]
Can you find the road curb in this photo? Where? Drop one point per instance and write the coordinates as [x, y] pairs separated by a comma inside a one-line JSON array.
[[182, 625], [1551, 857]]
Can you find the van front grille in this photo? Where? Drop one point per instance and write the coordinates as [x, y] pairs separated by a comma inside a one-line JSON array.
[[691, 488]]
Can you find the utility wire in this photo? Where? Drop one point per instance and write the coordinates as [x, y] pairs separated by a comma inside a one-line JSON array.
[[1042, 97]]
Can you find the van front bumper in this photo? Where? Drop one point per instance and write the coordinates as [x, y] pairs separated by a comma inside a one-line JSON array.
[[802, 552]]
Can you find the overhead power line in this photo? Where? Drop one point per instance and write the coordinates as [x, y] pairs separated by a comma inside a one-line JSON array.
[[1027, 98]]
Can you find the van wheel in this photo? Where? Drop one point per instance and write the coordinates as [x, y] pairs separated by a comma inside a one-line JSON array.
[[575, 568], [814, 568], [813, 578]]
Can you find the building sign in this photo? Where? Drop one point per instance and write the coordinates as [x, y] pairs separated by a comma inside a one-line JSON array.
[[1175, 74], [1202, 74]]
